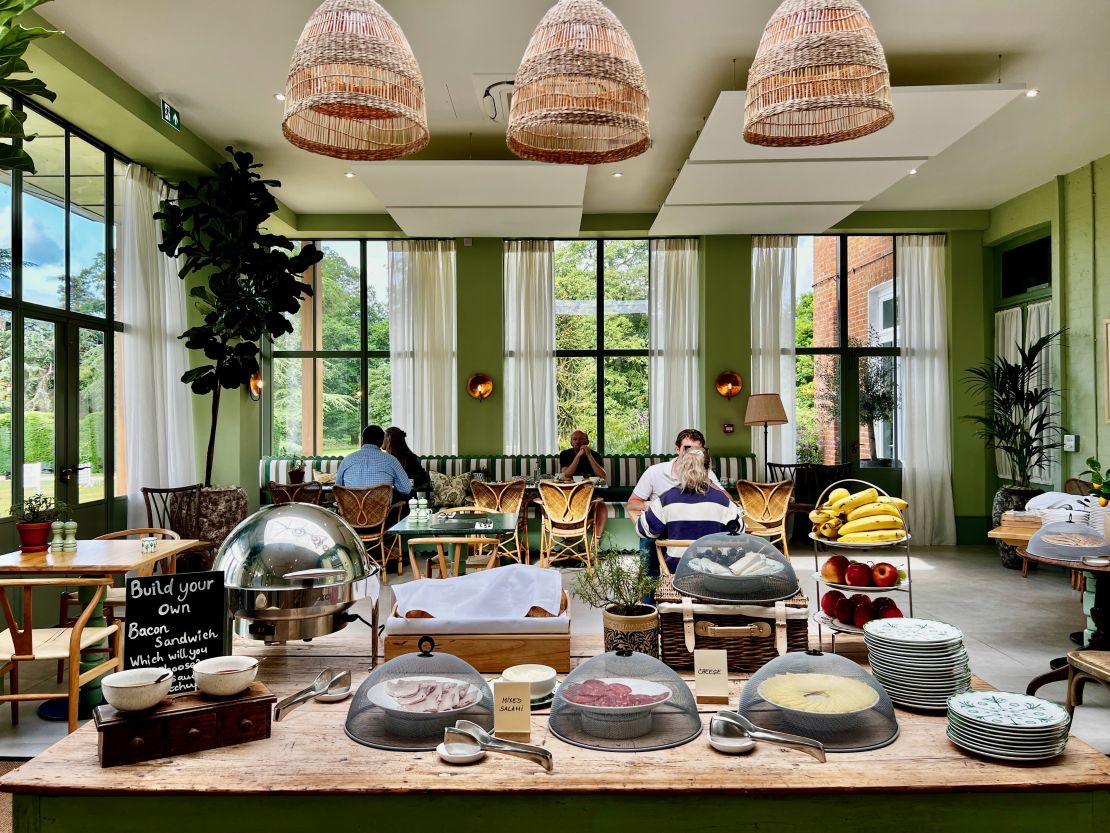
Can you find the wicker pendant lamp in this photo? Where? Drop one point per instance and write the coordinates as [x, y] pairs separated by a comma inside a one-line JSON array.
[[819, 77], [580, 95], [354, 89]]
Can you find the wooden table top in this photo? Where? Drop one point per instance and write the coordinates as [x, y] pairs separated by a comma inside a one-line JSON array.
[[503, 522], [92, 558], [308, 753]]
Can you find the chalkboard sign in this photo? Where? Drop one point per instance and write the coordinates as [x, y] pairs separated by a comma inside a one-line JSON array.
[[174, 621]]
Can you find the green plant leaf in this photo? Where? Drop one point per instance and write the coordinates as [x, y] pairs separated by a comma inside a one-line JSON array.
[[15, 159], [11, 122], [28, 86]]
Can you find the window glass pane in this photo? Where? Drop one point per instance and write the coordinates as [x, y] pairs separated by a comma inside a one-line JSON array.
[[575, 295], [301, 337], [626, 295], [44, 221], [90, 415], [38, 407], [292, 408], [87, 213], [817, 292], [342, 398], [377, 299], [817, 409], [576, 393], [626, 405], [340, 296], [5, 236], [879, 411], [380, 402], [5, 411], [871, 303]]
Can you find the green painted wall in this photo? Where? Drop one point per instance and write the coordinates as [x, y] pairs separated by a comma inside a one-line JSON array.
[[480, 338]]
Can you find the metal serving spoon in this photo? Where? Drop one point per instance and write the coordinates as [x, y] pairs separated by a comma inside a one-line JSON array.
[[319, 686], [749, 729], [339, 689], [466, 732]]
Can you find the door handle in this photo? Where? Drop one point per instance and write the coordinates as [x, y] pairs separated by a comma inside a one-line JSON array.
[[66, 473]]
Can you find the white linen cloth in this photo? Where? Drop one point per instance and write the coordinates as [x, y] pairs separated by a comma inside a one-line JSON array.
[[529, 401], [1008, 342], [503, 594], [1038, 323], [422, 343], [674, 370], [774, 286], [158, 448], [927, 475]]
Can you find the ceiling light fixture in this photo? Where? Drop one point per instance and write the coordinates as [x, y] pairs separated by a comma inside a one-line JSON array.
[[279, 96], [819, 77], [354, 89], [349, 174], [913, 171], [1033, 93], [580, 96], [617, 175]]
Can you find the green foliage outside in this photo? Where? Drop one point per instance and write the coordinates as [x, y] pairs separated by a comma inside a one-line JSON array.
[[806, 426]]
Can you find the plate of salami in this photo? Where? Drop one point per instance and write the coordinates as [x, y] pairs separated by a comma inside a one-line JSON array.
[[616, 695]]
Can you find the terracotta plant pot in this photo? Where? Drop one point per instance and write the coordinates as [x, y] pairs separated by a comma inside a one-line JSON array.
[[1005, 499], [638, 632], [34, 537]]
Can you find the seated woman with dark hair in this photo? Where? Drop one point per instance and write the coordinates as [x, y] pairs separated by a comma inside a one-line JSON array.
[[689, 510], [395, 444]]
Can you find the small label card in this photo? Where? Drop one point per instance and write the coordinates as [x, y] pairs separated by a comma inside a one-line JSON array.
[[711, 676], [512, 709]]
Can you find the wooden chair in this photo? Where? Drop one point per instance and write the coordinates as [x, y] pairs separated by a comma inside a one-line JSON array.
[[22, 642], [567, 516], [765, 508], [458, 544], [295, 492], [178, 509], [368, 511], [506, 497], [1083, 667], [661, 546]]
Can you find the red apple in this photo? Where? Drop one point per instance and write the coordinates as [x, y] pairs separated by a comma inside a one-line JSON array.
[[845, 610], [883, 602], [891, 612], [829, 602], [861, 598], [858, 575], [863, 614], [833, 569], [884, 575]]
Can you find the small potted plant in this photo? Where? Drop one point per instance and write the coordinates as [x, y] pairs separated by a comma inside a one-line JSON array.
[[618, 584], [1100, 480], [296, 470], [33, 517]]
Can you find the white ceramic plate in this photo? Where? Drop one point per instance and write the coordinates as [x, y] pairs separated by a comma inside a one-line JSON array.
[[916, 631], [848, 588], [1003, 756], [543, 700], [1003, 708], [379, 697], [637, 686], [851, 545], [835, 624], [1018, 733], [731, 585], [1007, 744]]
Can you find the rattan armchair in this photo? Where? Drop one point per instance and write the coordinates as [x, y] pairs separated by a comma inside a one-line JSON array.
[[765, 507], [295, 492], [368, 511], [506, 497], [567, 516]]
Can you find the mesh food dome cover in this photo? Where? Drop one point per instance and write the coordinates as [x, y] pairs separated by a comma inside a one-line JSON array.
[[407, 703], [1068, 542], [626, 702], [735, 568], [826, 697]]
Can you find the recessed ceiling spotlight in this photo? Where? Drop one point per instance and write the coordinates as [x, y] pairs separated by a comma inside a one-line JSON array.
[[349, 174], [913, 171], [1033, 93], [279, 96], [617, 175]]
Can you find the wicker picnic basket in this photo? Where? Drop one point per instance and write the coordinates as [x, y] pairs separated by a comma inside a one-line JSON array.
[[782, 628]]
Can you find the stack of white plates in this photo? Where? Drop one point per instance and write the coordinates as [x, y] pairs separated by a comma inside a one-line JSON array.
[[1010, 727], [919, 662]]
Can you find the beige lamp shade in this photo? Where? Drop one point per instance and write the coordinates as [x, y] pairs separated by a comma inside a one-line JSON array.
[[580, 96], [819, 77], [765, 409], [354, 89]]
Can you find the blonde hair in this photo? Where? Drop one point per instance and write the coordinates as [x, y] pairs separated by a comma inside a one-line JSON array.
[[693, 471]]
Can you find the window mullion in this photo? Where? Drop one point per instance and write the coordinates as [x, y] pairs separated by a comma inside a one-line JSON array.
[[599, 359]]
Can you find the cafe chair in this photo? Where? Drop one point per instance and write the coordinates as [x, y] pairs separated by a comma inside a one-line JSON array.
[[485, 549], [506, 497], [178, 508], [765, 508], [567, 515], [22, 642], [1085, 667], [295, 492], [661, 546], [368, 510]]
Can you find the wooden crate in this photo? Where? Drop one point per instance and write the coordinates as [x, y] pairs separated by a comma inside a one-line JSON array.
[[491, 653]]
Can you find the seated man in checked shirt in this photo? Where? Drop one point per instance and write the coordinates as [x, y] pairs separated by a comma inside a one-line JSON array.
[[370, 466]]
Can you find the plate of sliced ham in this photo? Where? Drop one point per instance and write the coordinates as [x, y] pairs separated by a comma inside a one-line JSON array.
[[616, 694], [431, 696]]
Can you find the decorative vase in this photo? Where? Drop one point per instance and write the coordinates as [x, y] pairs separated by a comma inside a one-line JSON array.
[[34, 537], [57, 534], [637, 632], [1007, 499], [70, 542]]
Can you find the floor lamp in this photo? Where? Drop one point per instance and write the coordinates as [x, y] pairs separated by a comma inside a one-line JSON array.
[[765, 409]]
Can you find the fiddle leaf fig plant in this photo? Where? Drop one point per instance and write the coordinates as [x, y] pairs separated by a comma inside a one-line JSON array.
[[14, 40], [253, 279]]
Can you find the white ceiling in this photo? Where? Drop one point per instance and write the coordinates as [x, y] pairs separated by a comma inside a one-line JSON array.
[[221, 61]]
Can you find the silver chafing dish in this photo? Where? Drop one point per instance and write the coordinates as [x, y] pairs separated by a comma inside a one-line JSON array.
[[290, 571]]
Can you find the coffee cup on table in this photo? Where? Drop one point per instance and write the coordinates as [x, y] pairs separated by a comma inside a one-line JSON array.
[[148, 544]]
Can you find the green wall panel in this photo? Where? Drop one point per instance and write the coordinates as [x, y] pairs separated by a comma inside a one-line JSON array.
[[480, 338]]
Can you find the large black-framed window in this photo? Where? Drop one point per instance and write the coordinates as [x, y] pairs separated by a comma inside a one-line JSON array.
[[601, 343]]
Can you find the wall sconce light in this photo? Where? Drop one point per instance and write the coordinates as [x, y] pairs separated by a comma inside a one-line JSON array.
[[479, 386], [729, 384], [257, 384]]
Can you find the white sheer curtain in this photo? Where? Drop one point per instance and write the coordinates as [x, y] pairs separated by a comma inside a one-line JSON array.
[[1008, 342], [674, 371], [774, 278], [422, 343], [529, 286], [927, 475], [1039, 324], [157, 408]]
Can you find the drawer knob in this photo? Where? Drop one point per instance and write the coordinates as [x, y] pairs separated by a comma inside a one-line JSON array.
[[246, 725], [137, 743], [193, 734]]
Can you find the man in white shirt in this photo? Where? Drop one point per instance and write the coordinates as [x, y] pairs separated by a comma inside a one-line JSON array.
[[661, 477]]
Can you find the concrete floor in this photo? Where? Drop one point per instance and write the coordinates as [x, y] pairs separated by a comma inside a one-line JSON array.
[[1012, 628]]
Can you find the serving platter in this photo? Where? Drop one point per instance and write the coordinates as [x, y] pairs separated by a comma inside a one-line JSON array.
[[638, 686], [851, 588], [858, 545], [385, 701]]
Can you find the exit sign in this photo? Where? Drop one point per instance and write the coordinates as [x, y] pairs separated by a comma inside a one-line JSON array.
[[170, 115]]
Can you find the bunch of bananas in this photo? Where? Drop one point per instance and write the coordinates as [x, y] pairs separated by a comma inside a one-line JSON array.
[[862, 518]]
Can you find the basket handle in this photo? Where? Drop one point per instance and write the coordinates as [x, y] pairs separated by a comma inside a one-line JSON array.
[[761, 629]]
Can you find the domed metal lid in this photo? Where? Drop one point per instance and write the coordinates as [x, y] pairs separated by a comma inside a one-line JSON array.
[[735, 568]]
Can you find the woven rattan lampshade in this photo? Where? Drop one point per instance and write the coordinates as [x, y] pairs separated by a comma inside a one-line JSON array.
[[354, 89], [580, 95], [819, 77]]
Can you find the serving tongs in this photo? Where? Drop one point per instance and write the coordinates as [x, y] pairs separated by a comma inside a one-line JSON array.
[[319, 686], [737, 721], [465, 731]]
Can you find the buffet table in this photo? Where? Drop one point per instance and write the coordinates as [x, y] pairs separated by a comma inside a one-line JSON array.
[[309, 774]]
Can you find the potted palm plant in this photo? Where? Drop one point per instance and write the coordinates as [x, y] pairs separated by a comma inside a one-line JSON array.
[[33, 517], [1020, 421], [618, 585]]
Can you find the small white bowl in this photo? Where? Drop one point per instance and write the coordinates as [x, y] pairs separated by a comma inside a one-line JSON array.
[[460, 753], [540, 678], [135, 690], [225, 676], [730, 745]]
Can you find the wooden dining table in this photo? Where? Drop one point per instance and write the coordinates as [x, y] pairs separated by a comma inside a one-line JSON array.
[[92, 558]]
